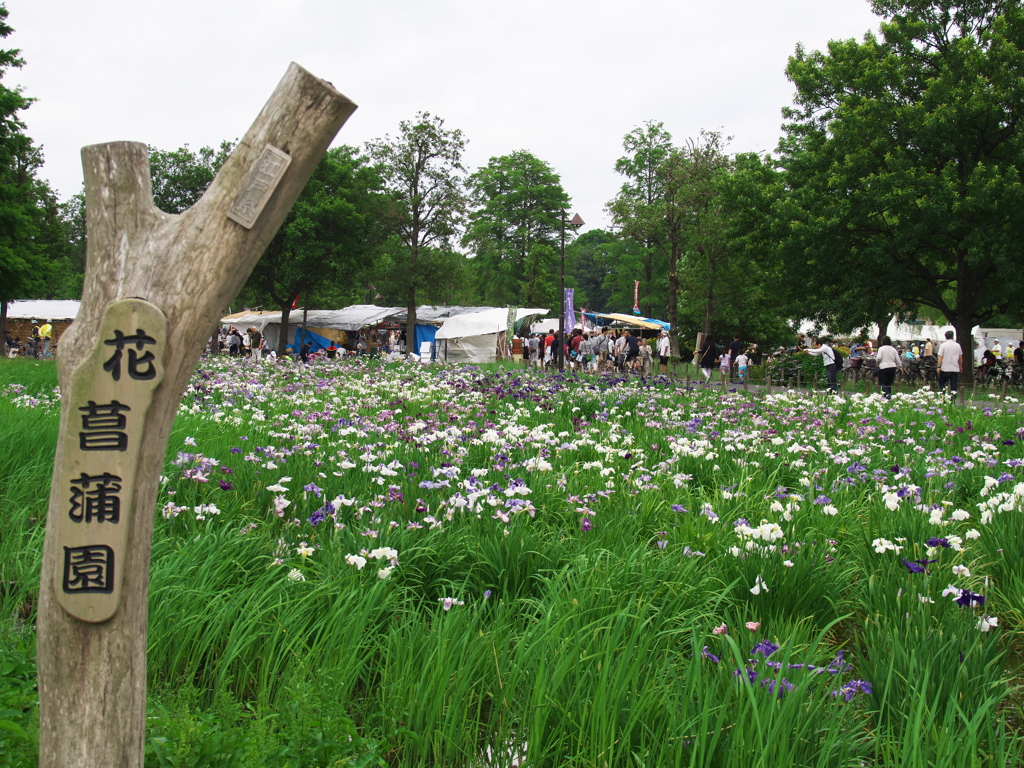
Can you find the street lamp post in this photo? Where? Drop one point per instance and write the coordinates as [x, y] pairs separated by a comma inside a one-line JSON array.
[[576, 221]]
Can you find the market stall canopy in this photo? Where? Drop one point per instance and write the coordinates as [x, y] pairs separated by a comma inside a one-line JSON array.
[[640, 322], [43, 310], [486, 321], [353, 318]]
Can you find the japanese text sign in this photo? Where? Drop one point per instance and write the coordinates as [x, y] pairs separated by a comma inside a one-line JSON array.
[[102, 439]]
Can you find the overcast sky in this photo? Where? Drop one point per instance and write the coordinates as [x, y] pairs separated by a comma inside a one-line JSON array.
[[564, 79]]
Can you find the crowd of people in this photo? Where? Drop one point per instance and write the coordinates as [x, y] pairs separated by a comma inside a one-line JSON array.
[[946, 360], [229, 339], [732, 361], [627, 351], [252, 343], [38, 345], [596, 350]]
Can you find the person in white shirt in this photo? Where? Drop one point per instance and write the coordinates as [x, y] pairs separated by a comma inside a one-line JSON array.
[[951, 363], [888, 360], [741, 365], [663, 351], [828, 357]]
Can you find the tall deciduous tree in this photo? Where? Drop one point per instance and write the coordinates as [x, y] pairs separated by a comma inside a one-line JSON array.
[[696, 229], [514, 228], [903, 156], [422, 168], [593, 260], [638, 211], [25, 268]]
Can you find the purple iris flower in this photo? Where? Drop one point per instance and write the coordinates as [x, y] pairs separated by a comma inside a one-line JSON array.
[[764, 647], [970, 599]]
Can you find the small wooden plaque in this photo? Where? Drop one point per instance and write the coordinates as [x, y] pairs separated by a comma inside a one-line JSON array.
[[262, 181]]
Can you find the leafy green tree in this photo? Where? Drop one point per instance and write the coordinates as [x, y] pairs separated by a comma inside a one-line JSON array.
[[514, 229], [181, 176], [329, 237], [54, 238], [591, 261], [696, 229], [71, 266], [902, 160], [25, 267], [422, 169], [638, 212]]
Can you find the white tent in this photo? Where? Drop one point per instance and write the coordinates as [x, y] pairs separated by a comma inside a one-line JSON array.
[[43, 310], [353, 318], [479, 337]]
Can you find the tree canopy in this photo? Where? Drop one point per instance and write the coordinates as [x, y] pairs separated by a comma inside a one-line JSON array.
[[515, 229], [181, 176], [899, 174], [422, 170], [26, 266]]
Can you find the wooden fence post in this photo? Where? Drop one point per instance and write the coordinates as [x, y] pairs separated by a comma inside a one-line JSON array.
[[155, 286]]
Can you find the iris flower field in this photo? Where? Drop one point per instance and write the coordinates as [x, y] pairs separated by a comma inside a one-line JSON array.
[[359, 564]]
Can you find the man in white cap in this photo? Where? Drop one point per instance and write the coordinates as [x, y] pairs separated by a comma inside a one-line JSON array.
[[663, 351]]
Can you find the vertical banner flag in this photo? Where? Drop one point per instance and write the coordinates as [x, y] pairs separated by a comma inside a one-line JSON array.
[[510, 331], [636, 297], [570, 312], [295, 303]]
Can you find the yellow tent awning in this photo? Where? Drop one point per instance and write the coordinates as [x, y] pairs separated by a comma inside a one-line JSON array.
[[633, 321]]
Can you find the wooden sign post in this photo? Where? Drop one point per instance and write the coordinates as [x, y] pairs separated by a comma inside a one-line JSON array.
[[155, 286]]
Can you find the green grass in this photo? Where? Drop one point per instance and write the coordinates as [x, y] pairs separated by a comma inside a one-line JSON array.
[[575, 638]]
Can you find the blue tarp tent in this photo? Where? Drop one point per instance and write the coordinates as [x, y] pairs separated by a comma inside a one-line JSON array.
[[426, 333], [316, 341]]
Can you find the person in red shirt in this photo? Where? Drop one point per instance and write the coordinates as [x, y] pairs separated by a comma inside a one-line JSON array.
[[574, 347], [549, 347]]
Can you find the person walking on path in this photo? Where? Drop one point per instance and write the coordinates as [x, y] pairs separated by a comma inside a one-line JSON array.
[[632, 351], [725, 366], [951, 363], [663, 351], [736, 348], [708, 355], [888, 360], [828, 357], [741, 366]]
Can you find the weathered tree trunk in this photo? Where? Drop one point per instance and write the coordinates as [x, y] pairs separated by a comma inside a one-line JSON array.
[[410, 323], [964, 319], [673, 297], [882, 321], [92, 676], [282, 341]]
